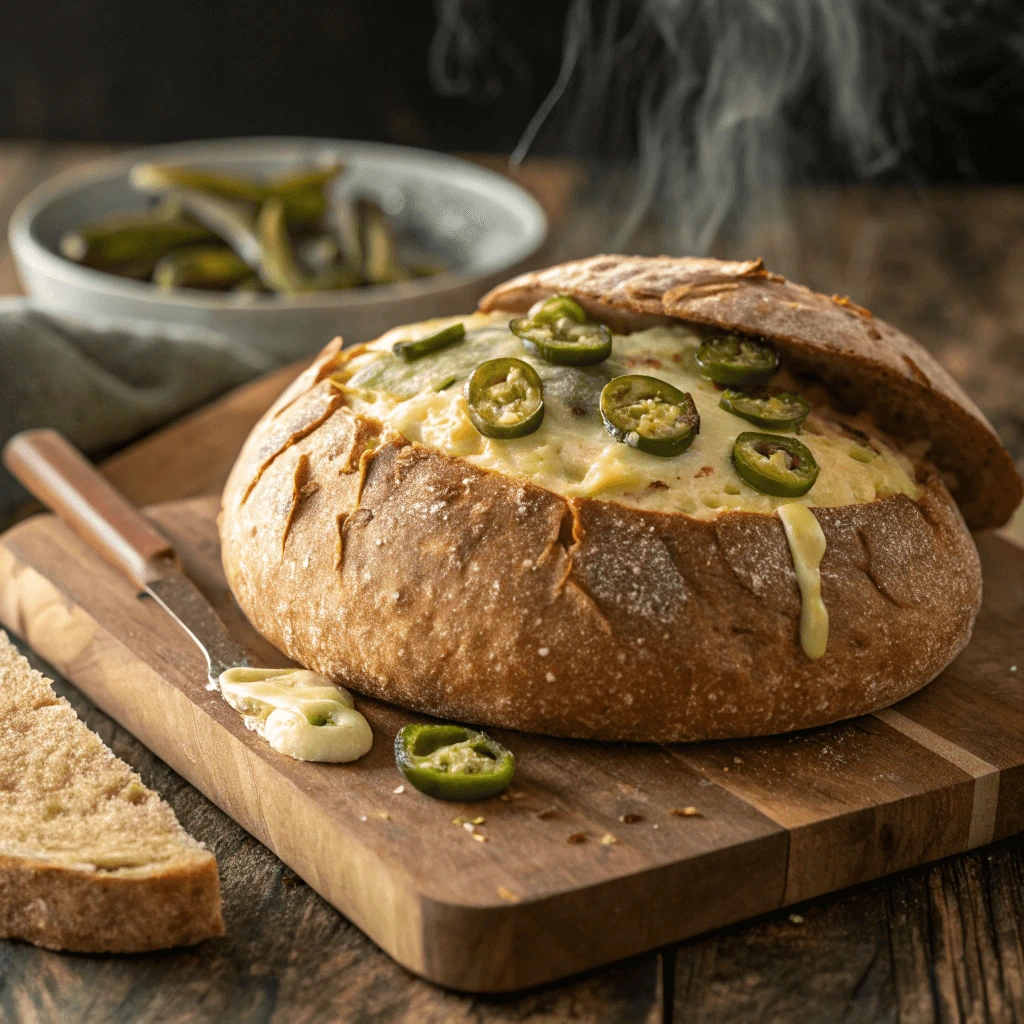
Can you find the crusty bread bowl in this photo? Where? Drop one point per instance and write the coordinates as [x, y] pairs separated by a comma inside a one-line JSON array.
[[565, 583]]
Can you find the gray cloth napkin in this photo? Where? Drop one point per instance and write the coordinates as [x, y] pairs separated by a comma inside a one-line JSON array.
[[104, 383]]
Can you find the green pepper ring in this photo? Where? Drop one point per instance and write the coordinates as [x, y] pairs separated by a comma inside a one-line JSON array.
[[548, 311], [490, 372], [636, 386], [736, 360], [755, 408], [750, 457], [418, 742], [546, 341]]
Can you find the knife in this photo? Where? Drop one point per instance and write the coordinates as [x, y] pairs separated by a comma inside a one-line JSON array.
[[60, 477]]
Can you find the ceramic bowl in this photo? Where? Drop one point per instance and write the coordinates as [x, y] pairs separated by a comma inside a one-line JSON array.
[[484, 226]]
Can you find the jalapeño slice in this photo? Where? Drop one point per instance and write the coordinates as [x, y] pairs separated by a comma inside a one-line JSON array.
[[774, 464], [450, 762], [505, 398], [649, 414], [736, 360], [548, 311], [557, 330], [412, 350], [776, 410]]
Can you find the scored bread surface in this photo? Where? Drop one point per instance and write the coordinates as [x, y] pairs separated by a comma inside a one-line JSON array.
[[90, 859], [420, 579]]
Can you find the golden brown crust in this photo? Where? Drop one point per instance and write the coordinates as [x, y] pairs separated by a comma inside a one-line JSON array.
[[417, 578], [865, 362], [110, 912]]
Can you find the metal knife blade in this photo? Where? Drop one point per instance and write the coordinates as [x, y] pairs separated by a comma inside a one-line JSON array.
[[56, 473], [183, 601]]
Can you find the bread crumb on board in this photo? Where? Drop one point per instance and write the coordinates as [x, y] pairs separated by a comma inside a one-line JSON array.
[[685, 812]]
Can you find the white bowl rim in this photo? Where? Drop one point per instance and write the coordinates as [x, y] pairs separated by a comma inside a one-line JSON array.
[[26, 247]]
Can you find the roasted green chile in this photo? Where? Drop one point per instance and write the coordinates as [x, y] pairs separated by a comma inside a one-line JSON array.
[[557, 330], [227, 219], [775, 463], [649, 414], [736, 360], [505, 398], [213, 267], [773, 410], [302, 192], [451, 762], [413, 350], [279, 267], [379, 248], [130, 240], [293, 230]]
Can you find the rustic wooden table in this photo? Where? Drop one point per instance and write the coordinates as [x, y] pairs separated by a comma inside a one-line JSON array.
[[940, 943]]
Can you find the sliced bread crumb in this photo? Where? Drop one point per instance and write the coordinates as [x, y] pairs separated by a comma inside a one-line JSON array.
[[90, 859]]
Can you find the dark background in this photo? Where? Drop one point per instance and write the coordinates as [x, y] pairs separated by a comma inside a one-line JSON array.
[[118, 71], [123, 72]]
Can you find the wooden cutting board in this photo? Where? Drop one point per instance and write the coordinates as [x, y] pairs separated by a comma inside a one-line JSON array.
[[584, 861]]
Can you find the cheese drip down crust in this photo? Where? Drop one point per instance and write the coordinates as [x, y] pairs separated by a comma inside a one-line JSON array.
[[573, 454], [807, 547]]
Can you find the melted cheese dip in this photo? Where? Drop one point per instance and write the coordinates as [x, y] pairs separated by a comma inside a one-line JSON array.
[[298, 712], [573, 454]]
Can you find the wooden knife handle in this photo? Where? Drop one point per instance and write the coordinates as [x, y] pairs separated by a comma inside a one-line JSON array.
[[56, 473]]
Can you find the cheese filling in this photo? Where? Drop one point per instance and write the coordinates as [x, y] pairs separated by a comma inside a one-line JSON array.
[[807, 547], [573, 454], [299, 713]]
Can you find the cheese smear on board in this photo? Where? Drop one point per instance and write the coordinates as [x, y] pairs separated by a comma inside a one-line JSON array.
[[807, 546], [299, 713]]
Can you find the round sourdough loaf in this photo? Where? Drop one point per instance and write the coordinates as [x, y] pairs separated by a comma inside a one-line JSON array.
[[419, 578]]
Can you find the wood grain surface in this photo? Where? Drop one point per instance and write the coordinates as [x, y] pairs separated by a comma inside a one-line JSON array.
[[288, 957], [940, 943], [524, 907], [781, 819]]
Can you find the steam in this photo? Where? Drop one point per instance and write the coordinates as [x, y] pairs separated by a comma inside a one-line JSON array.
[[468, 57], [700, 114]]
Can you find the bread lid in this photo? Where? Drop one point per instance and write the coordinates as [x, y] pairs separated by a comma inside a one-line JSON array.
[[863, 361]]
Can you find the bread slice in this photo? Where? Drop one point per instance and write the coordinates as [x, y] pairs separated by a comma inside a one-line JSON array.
[[90, 859]]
